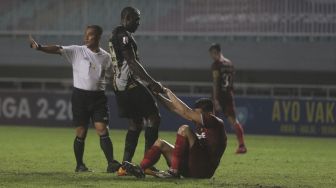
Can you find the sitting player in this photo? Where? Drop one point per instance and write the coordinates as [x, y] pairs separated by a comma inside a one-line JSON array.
[[195, 155]]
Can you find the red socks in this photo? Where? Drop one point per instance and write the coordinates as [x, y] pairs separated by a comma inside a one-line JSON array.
[[239, 133], [151, 157], [181, 145]]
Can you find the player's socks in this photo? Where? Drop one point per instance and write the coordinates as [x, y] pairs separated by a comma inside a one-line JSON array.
[[181, 145], [151, 135], [151, 157], [78, 145], [107, 147], [239, 133], [131, 143]]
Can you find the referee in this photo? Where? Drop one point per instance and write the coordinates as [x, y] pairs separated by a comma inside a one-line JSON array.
[[91, 67]]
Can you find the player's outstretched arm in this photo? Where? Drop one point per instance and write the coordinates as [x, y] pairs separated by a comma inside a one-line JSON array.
[[50, 49], [140, 72], [166, 102], [182, 109]]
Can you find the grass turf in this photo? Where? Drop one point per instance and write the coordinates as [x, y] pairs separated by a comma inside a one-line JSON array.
[[43, 157]]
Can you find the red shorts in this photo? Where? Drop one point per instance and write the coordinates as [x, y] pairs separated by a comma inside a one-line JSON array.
[[197, 162], [227, 103]]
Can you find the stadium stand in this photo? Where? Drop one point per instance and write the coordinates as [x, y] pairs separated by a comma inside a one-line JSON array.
[[267, 39], [220, 17]]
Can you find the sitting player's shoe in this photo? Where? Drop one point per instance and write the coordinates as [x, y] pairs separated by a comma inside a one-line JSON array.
[[133, 169], [152, 171], [167, 174], [113, 167], [241, 149], [82, 168]]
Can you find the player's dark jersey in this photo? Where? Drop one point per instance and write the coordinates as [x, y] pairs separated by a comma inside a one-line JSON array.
[[122, 40], [212, 136], [226, 73]]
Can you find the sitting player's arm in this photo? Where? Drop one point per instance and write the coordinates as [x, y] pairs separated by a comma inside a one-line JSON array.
[[50, 49], [182, 109], [166, 102]]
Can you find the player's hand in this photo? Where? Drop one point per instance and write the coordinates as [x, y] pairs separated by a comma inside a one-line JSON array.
[[33, 43], [156, 87], [166, 90]]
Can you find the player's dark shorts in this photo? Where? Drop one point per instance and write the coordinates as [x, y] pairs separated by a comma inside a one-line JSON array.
[[227, 103], [88, 105], [198, 162], [136, 103]]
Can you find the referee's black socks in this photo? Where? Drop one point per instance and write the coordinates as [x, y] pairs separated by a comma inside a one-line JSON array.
[[107, 147], [79, 150]]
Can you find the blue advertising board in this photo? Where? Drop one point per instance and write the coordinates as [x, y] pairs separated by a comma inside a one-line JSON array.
[[276, 116]]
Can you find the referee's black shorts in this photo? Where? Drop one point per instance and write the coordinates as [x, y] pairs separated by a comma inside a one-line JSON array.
[[88, 105], [136, 103]]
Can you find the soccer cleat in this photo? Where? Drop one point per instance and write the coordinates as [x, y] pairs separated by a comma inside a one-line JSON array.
[[82, 168], [152, 171], [167, 175], [122, 171], [113, 167], [241, 150], [133, 169]]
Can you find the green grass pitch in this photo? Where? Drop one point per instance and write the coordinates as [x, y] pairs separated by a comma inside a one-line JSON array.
[[43, 157]]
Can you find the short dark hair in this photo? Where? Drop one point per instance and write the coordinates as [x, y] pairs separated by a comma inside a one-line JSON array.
[[97, 28], [127, 10], [215, 46], [205, 104]]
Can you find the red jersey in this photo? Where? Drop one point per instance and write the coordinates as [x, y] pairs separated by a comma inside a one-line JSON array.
[[212, 136], [226, 73]]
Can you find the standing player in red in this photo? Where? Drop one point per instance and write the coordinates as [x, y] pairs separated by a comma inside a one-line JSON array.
[[195, 154], [222, 73]]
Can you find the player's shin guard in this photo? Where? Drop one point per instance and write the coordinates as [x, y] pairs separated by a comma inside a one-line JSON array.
[[181, 144], [151, 157], [239, 133], [79, 150], [151, 135], [131, 143], [107, 147]]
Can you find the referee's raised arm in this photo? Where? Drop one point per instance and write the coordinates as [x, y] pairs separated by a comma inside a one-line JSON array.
[[50, 49]]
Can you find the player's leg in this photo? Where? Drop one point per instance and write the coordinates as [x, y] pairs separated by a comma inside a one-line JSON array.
[[131, 142], [152, 124], [239, 133], [153, 154], [230, 113], [132, 137], [149, 109], [185, 139]]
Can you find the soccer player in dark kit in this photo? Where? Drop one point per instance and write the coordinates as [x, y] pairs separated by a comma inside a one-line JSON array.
[[223, 72], [91, 72], [195, 154], [132, 85]]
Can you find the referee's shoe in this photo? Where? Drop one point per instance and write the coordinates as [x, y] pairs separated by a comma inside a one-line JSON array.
[[82, 168]]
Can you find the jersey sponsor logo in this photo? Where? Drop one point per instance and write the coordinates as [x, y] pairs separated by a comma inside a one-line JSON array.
[[201, 136], [125, 40]]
